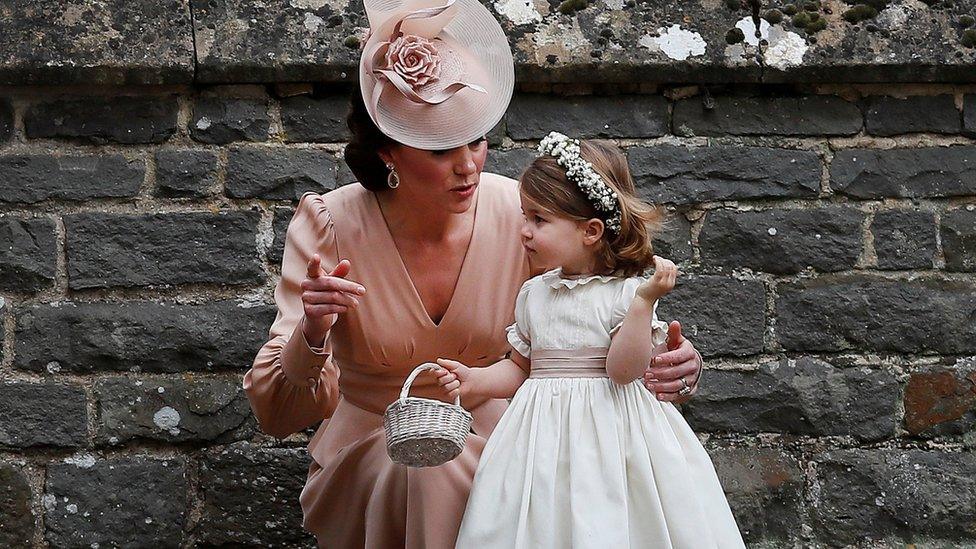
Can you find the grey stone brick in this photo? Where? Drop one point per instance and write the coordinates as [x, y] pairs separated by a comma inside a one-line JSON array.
[[27, 253], [941, 400], [674, 240], [878, 493], [6, 119], [921, 113], [173, 410], [282, 216], [782, 241], [107, 250], [764, 488], [906, 173], [185, 173], [120, 502], [904, 239], [868, 313], [804, 115], [510, 163], [969, 115], [16, 514], [115, 119], [959, 239], [805, 396], [722, 316], [682, 175], [140, 336], [250, 497], [318, 120], [30, 178], [532, 116], [279, 174], [42, 414], [225, 120]]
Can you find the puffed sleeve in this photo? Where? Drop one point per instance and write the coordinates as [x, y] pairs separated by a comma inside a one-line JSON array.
[[519, 336], [628, 290], [291, 385]]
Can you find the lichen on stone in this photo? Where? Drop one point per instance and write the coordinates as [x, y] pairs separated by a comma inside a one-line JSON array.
[[860, 12]]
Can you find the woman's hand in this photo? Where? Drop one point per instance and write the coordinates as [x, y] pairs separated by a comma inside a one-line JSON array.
[[454, 378], [661, 283], [325, 296], [667, 369]]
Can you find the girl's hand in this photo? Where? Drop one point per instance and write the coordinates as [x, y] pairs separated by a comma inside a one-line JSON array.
[[454, 378], [325, 296], [661, 283]]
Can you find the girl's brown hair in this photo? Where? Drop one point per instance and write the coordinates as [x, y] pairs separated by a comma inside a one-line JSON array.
[[626, 253]]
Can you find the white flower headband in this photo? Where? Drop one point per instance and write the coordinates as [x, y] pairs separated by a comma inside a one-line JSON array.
[[566, 151]]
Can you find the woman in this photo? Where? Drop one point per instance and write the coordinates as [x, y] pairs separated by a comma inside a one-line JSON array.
[[430, 266]]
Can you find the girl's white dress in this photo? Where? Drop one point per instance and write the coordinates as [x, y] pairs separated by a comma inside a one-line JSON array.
[[580, 461]]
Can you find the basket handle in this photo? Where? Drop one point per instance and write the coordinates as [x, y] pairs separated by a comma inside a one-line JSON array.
[[416, 372]]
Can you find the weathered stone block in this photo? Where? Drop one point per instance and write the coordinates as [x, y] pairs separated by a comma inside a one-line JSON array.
[[6, 119], [904, 239], [107, 250], [186, 173], [722, 316], [969, 115], [874, 314], [920, 113], [277, 173], [959, 239], [782, 241], [905, 173], [140, 336], [805, 396], [682, 175], [282, 217], [120, 502], [224, 120], [115, 119], [906, 493], [42, 414], [173, 410], [674, 240], [510, 163], [764, 488], [318, 120], [532, 116], [16, 514], [30, 178], [804, 115], [250, 497], [942, 401], [27, 253]]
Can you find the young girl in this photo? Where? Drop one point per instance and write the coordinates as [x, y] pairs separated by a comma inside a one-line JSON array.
[[585, 456]]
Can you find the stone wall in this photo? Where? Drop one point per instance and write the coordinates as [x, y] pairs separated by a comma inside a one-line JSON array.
[[826, 232]]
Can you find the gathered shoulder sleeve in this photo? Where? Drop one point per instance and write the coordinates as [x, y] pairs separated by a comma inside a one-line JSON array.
[[291, 385], [621, 304], [519, 335]]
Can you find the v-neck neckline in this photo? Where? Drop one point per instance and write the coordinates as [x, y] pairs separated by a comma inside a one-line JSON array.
[[405, 273]]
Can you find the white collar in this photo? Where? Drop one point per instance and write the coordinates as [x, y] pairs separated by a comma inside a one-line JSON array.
[[555, 279]]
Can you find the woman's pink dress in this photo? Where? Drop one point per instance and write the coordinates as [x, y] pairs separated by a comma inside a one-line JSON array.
[[354, 495]]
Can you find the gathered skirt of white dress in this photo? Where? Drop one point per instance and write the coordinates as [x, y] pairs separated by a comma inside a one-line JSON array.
[[580, 462]]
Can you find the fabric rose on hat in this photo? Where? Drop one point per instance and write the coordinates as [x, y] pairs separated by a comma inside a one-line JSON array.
[[415, 59]]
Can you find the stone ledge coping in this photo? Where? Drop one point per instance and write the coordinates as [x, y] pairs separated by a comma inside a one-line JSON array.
[[232, 41]]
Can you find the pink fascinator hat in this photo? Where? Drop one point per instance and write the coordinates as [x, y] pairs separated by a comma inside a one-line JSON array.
[[435, 74]]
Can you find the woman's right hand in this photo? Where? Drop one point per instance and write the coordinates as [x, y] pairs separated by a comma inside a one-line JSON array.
[[325, 296]]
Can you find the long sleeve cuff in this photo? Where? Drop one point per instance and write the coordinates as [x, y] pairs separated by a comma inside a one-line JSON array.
[[301, 362]]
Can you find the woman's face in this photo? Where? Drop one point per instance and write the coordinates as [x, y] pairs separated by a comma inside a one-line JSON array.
[[439, 179]]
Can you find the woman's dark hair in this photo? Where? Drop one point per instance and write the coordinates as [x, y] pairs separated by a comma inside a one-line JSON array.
[[362, 152]]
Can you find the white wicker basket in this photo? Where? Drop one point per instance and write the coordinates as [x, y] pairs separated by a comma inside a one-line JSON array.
[[421, 432]]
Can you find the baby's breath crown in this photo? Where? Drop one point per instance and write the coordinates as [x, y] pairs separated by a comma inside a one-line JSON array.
[[566, 151]]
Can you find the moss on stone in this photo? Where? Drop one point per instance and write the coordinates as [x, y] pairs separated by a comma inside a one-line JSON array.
[[802, 19], [811, 5], [790, 9], [351, 42], [735, 35], [733, 4], [816, 26], [860, 13], [967, 21], [774, 17], [969, 38], [569, 7]]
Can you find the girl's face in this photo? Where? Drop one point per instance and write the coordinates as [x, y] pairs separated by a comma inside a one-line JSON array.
[[555, 241], [439, 179]]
